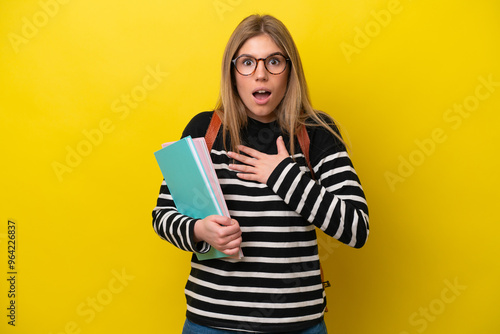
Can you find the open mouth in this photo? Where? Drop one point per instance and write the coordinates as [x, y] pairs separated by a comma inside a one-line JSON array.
[[261, 94]]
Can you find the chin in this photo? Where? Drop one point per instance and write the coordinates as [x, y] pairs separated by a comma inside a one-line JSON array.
[[262, 116]]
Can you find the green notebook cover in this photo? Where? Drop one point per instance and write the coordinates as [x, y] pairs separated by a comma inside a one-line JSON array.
[[188, 183]]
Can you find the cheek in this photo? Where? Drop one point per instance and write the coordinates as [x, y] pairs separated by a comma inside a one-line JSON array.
[[241, 87], [282, 86]]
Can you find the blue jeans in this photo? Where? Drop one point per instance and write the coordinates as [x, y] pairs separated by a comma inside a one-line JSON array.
[[192, 328]]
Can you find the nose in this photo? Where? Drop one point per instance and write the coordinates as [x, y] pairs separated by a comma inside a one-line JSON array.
[[260, 70]]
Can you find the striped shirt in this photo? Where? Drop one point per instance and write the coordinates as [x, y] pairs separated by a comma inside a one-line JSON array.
[[276, 286]]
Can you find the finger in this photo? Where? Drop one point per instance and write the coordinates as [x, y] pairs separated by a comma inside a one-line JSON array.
[[248, 177], [250, 151], [231, 251], [234, 244], [242, 168], [241, 158], [230, 232], [232, 239], [280, 143], [221, 220]]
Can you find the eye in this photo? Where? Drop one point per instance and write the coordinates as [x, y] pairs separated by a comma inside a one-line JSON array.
[[275, 61], [247, 61]]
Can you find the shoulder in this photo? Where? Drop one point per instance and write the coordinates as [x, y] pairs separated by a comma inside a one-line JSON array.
[[198, 125], [323, 132], [323, 139]]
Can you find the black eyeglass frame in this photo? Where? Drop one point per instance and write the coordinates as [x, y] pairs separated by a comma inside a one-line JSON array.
[[257, 63]]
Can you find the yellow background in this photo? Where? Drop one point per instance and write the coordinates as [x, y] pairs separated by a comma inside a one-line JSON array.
[[430, 175]]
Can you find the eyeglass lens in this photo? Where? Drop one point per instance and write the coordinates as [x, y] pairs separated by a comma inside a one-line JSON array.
[[246, 65]]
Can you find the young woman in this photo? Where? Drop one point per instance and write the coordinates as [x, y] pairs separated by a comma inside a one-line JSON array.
[[275, 200]]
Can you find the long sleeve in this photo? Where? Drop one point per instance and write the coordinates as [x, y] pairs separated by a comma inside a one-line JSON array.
[[335, 203], [168, 223], [173, 226]]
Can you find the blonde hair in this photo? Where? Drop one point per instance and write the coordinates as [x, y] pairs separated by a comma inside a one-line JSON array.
[[294, 109]]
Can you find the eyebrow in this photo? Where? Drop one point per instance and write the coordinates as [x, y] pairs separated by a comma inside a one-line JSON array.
[[271, 54]]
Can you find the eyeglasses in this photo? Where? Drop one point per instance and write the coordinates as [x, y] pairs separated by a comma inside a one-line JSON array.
[[274, 63]]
